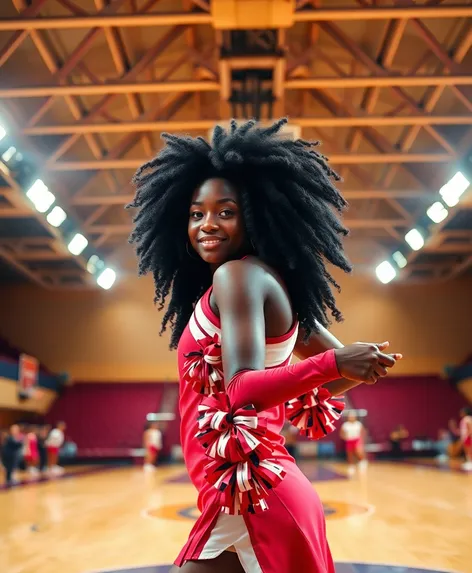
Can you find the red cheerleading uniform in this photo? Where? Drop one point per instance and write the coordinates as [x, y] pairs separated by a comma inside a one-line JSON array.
[[252, 496], [31, 454]]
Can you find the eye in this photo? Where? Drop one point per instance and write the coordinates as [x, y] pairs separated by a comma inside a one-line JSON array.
[[227, 213], [196, 215]]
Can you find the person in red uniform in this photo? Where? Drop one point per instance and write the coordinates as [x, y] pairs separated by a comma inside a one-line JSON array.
[[238, 231], [31, 452]]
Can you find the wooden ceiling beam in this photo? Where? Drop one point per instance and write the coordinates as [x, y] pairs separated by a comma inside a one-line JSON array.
[[349, 194], [337, 158], [146, 60], [360, 55], [118, 54], [205, 124], [348, 82], [195, 18], [20, 34], [124, 228], [21, 268], [109, 88]]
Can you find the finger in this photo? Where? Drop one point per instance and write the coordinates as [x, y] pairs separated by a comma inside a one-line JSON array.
[[386, 360], [380, 371], [383, 345]]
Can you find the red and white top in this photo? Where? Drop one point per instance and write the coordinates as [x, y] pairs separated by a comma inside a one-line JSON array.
[[465, 428], [212, 457], [55, 438]]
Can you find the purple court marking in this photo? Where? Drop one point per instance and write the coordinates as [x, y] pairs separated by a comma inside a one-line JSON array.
[[191, 512], [312, 470], [435, 466], [340, 568], [42, 479], [319, 472]]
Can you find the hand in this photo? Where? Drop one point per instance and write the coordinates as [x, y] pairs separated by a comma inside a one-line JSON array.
[[364, 362]]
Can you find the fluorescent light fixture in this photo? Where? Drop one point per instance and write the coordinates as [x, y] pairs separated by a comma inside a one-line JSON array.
[[3, 132], [454, 188], [385, 272], [415, 239], [57, 216], [437, 212], [399, 259], [106, 278], [40, 196], [8, 154], [94, 263], [77, 244]]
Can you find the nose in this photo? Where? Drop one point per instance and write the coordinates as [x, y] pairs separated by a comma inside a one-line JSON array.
[[209, 224]]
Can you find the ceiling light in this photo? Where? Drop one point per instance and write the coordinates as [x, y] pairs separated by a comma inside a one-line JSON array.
[[399, 259], [454, 188], [8, 154], [385, 272], [437, 212], [106, 278], [40, 196], [94, 264], [3, 132], [415, 239], [77, 244], [56, 217]]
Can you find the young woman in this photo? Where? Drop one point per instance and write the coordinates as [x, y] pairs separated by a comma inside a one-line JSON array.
[[12, 443], [153, 445], [240, 231], [353, 433], [54, 443], [31, 452], [465, 428]]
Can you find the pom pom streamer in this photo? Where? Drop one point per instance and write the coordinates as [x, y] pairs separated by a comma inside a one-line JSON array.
[[315, 413], [240, 468], [232, 436], [244, 486], [203, 369]]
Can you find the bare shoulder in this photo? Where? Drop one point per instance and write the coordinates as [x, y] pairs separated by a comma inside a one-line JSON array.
[[248, 272]]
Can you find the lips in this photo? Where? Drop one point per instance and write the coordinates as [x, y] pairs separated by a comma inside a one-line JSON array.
[[209, 243]]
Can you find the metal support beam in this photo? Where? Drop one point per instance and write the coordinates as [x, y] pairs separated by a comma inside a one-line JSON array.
[[205, 124], [195, 18], [337, 158]]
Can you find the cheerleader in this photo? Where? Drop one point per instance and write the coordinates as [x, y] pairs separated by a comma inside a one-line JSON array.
[[54, 443], [239, 231], [465, 429], [31, 452], [153, 445]]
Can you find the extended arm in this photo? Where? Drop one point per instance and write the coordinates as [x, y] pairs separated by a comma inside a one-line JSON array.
[[240, 295], [321, 342]]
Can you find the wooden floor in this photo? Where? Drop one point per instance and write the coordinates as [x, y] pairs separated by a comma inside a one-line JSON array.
[[398, 514]]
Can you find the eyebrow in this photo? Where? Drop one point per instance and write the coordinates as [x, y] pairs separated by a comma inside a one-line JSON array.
[[224, 200]]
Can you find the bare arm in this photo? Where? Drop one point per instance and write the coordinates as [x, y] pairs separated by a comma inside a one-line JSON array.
[[323, 341], [320, 342], [240, 293]]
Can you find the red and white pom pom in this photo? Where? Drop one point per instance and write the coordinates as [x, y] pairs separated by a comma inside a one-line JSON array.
[[244, 486], [232, 436], [203, 369], [315, 413], [241, 467]]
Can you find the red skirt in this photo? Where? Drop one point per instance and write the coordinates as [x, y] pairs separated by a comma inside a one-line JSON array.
[[290, 536]]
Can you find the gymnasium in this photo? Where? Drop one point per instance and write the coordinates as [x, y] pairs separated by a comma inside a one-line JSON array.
[[92, 463]]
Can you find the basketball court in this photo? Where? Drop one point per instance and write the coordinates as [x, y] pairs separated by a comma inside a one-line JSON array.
[[122, 519], [87, 88]]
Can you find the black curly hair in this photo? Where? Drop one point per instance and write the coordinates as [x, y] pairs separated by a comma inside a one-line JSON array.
[[286, 194]]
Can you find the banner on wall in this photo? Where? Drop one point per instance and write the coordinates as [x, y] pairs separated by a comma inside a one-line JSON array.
[[27, 376]]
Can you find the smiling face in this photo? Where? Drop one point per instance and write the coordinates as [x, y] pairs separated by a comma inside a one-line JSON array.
[[216, 228]]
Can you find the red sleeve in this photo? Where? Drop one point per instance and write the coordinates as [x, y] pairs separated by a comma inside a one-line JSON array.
[[268, 388]]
